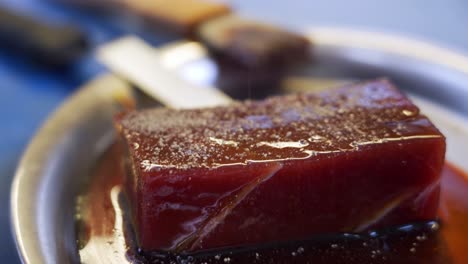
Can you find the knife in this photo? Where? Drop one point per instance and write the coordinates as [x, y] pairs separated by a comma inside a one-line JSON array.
[[57, 46]]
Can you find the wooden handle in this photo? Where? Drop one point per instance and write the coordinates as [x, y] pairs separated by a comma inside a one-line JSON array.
[[182, 16]]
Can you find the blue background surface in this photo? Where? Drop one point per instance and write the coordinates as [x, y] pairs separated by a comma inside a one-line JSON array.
[[29, 93]]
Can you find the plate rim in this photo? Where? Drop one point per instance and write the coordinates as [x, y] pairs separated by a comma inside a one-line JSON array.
[[30, 173]]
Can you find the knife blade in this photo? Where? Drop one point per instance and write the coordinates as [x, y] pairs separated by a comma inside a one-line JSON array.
[[141, 64]]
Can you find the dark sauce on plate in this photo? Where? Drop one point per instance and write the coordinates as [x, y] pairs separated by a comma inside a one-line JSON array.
[[104, 233]]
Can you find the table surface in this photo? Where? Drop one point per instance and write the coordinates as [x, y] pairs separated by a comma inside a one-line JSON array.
[[28, 93]]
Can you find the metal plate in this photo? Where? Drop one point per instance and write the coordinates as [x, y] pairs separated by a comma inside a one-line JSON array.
[[54, 167]]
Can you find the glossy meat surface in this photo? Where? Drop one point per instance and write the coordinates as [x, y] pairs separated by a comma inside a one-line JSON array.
[[284, 168]]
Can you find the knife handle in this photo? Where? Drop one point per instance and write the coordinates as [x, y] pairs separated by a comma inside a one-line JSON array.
[[47, 44], [180, 16]]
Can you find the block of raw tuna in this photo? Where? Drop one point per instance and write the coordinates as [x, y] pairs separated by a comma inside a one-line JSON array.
[[284, 168]]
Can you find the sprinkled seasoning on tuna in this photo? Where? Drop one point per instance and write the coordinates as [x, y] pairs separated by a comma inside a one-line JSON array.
[[285, 168]]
